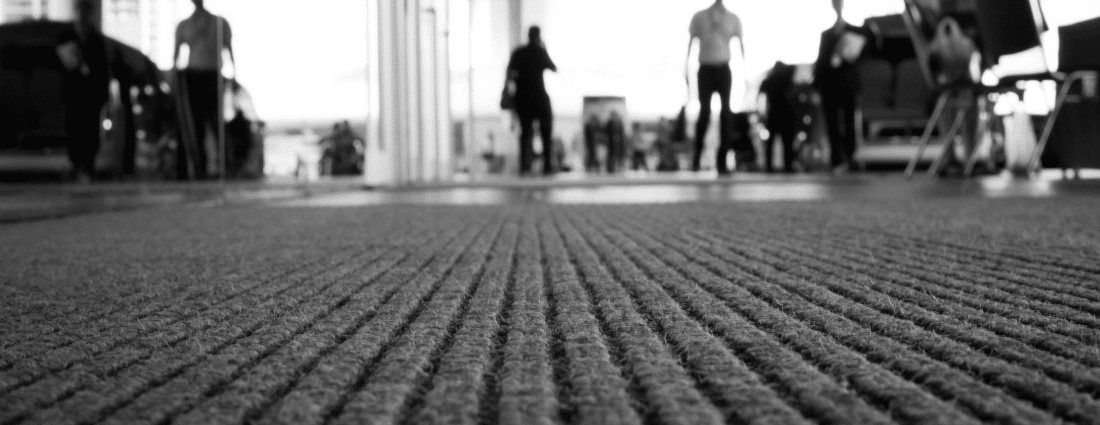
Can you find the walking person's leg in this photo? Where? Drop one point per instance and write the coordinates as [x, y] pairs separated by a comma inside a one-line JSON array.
[[769, 146], [82, 131], [202, 96], [73, 143], [848, 116], [613, 155], [92, 131], [787, 131], [833, 124], [526, 138], [707, 87], [590, 161], [546, 128], [725, 116]]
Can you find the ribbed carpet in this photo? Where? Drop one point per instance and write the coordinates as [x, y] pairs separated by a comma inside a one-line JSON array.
[[946, 311]]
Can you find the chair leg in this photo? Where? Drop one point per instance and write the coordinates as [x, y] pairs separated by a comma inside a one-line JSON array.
[[979, 134], [949, 142], [933, 122], [1048, 128]]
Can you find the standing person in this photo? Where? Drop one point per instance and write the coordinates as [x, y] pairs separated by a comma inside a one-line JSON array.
[[715, 27], [836, 78], [616, 142], [86, 87], [594, 136], [525, 69], [207, 36], [640, 146], [781, 119]]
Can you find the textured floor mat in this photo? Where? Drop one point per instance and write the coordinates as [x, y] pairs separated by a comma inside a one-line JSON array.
[[949, 311]]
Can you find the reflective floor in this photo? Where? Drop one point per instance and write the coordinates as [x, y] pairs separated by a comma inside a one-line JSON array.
[[20, 202], [701, 188]]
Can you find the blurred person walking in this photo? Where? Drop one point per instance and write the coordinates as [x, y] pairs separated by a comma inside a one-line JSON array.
[[780, 117], [594, 137], [715, 27], [836, 78], [525, 70], [82, 50], [616, 142], [207, 37], [641, 144]]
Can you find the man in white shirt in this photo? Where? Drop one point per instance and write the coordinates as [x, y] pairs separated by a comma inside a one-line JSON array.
[[715, 27], [206, 36]]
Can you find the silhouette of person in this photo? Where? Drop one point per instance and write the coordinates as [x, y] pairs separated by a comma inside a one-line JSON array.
[[525, 69], [835, 77], [594, 136], [82, 49], [640, 145], [616, 142], [207, 36], [781, 119], [715, 27]]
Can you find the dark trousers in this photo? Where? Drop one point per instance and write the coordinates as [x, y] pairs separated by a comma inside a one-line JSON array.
[[616, 153], [82, 124], [712, 79], [780, 127], [735, 137], [202, 94], [531, 109], [840, 119], [638, 161], [591, 160]]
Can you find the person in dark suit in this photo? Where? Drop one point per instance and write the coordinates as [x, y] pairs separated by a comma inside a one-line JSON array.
[[86, 87], [781, 119], [835, 77], [525, 69]]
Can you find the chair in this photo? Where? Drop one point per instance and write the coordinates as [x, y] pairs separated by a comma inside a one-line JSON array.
[[874, 102], [1005, 27], [912, 94], [1079, 62]]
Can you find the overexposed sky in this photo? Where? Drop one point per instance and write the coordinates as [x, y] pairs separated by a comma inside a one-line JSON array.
[[306, 59]]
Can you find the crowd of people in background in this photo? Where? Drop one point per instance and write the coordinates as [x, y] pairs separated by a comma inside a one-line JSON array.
[[611, 146]]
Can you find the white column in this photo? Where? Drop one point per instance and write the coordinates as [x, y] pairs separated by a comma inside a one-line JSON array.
[[414, 122], [412, 84], [515, 22], [391, 95], [145, 26], [473, 148], [58, 10], [426, 90], [445, 164]]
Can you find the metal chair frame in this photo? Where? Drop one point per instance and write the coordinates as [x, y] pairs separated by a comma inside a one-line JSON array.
[[949, 94]]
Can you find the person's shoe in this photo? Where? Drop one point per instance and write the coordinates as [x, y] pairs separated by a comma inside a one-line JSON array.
[[842, 169]]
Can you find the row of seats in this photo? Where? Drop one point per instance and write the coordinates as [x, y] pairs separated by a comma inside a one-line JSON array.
[[893, 92], [31, 113]]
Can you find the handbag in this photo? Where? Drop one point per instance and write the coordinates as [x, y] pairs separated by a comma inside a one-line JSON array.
[[679, 127], [954, 56], [507, 97]]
